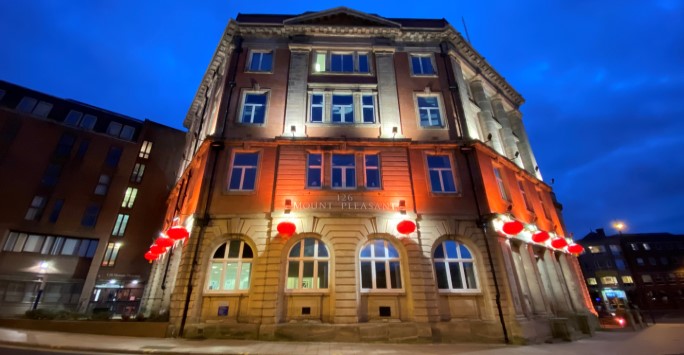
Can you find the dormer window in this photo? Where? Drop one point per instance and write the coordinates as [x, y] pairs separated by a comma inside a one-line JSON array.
[[345, 62]]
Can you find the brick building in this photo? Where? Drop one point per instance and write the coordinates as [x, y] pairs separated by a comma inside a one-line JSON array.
[[647, 267], [88, 190], [348, 178]]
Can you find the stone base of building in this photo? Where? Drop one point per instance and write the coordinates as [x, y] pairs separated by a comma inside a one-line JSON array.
[[525, 331]]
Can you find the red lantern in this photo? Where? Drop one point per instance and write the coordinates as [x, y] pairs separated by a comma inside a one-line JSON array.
[[540, 237], [164, 242], [156, 249], [559, 243], [177, 233], [406, 227], [287, 228], [512, 227], [575, 248], [149, 256]]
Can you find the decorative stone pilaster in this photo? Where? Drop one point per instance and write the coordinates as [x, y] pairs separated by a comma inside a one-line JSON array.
[[509, 143], [486, 115], [528, 160], [471, 130], [295, 112], [388, 101]]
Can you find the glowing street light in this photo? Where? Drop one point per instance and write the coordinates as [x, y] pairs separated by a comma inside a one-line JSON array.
[[619, 226]]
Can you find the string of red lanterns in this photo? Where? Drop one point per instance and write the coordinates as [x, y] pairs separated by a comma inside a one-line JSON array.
[[286, 229], [164, 242], [514, 227]]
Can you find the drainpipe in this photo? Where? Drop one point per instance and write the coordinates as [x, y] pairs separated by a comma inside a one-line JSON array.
[[453, 90], [216, 146], [482, 223]]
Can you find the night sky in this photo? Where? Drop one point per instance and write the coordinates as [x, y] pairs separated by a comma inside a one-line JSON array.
[[603, 80]]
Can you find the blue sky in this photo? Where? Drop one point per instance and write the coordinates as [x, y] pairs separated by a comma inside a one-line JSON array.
[[603, 80]]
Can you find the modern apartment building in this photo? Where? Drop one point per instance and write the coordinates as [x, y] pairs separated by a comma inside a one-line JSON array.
[[351, 177], [85, 191]]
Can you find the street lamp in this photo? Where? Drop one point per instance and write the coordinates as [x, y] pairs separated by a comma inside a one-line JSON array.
[[619, 226]]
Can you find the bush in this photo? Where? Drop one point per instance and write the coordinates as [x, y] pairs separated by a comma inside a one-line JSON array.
[[40, 314], [101, 315], [158, 317], [140, 317]]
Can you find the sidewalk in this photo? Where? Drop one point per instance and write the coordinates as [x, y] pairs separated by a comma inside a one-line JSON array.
[[658, 339]]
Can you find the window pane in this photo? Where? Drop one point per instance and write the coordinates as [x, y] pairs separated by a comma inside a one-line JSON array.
[[373, 178], [343, 160], [307, 275], [379, 246], [350, 176], [322, 274], [392, 251], [366, 275], [380, 275], [215, 276], [33, 243], [455, 271], [234, 249], [293, 275], [451, 249], [246, 159], [439, 251], [470, 275], [235, 179], [337, 177], [426, 64], [92, 247], [395, 274], [230, 279], [435, 181], [363, 63], [88, 121], [247, 251], [314, 177], [441, 273], [465, 253], [19, 243], [366, 251], [317, 114], [415, 63], [244, 275], [322, 251], [47, 245], [448, 179], [70, 246], [309, 245], [319, 64], [266, 61], [294, 253], [438, 161], [220, 252]]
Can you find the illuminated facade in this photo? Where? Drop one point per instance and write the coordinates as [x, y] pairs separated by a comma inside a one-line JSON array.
[[348, 178]]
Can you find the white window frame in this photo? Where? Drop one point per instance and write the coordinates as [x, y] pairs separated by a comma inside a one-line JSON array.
[[120, 224], [367, 168], [440, 170], [356, 67], [366, 106], [430, 111], [261, 52], [343, 117], [344, 183], [102, 185], [243, 169], [36, 208], [387, 260], [430, 56], [145, 150], [501, 184], [461, 270], [301, 259], [129, 197], [320, 167], [312, 106], [240, 260], [244, 106], [138, 172]]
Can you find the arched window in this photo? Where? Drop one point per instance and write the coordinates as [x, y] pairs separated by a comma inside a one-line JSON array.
[[231, 266], [454, 267], [380, 266], [307, 265]]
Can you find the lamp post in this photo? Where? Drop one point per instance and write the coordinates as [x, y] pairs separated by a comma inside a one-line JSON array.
[[619, 226], [42, 277]]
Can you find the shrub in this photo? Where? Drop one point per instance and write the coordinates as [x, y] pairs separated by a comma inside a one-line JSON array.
[[40, 314], [101, 315], [139, 317], [158, 317]]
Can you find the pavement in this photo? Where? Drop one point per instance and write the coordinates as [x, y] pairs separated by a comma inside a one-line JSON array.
[[662, 338]]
